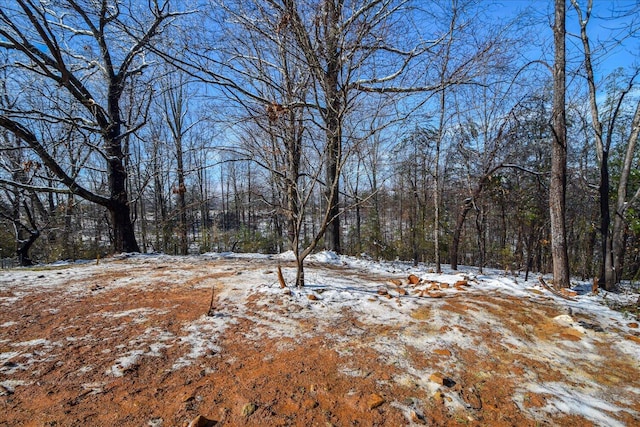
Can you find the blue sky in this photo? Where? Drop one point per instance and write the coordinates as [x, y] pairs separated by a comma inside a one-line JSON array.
[[604, 28]]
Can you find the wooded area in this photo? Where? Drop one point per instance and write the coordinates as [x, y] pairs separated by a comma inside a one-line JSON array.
[[454, 131]]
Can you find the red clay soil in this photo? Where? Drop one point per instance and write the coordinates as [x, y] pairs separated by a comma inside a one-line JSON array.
[[246, 377]]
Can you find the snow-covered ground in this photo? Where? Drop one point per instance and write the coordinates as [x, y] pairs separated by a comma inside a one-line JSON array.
[[455, 313]]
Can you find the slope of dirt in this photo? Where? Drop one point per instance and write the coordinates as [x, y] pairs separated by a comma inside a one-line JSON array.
[[128, 343]]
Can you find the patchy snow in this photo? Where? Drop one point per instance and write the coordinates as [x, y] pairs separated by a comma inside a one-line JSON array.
[[345, 293], [7, 356], [572, 401], [33, 343], [150, 343], [9, 386], [125, 363], [327, 257], [200, 339]]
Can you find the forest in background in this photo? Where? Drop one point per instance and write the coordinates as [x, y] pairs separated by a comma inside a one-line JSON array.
[[393, 129]]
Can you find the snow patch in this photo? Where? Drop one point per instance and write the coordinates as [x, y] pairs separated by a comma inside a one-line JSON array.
[[9, 386], [572, 401], [125, 363], [32, 343], [6, 356], [201, 336], [150, 343], [326, 257]]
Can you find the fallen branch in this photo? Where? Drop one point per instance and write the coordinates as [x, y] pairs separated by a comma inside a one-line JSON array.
[[553, 290]]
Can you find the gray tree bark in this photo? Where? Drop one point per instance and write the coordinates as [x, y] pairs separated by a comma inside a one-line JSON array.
[[558, 184]]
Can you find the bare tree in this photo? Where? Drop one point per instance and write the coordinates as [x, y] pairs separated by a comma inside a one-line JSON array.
[[91, 51], [175, 100], [611, 232], [18, 204], [269, 94], [486, 133], [286, 49]]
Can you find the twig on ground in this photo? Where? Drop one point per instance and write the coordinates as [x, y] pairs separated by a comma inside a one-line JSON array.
[[210, 312]]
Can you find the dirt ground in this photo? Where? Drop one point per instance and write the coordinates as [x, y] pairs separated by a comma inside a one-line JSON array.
[[107, 355]]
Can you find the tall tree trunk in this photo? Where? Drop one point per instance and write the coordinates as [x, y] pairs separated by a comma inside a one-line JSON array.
[[67, 233], [332, 235], [557, 188], [480, 237], [175, 110], [295, 214], [124, 238], [204, 207], [182, 201], [161, 225], [23, 247], [357, 248], [436, 200], [333, 123], [618, 241], [607, 276]]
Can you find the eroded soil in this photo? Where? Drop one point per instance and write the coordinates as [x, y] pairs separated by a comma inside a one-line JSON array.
[[128, 343]]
